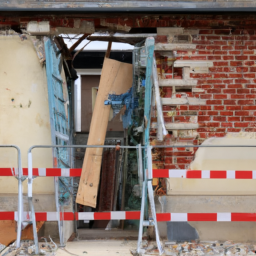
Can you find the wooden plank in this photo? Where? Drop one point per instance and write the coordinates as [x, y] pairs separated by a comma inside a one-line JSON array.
[[116, 78]]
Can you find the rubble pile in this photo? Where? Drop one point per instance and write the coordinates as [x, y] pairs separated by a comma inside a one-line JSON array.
[[200, 248]]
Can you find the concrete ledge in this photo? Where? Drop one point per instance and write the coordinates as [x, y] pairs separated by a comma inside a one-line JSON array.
[[177, 82]]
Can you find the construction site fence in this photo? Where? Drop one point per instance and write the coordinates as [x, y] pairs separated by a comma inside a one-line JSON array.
[[29, 173]]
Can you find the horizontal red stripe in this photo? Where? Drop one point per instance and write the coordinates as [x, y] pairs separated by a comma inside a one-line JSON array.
[[194, 174], [243, 174], [218, 174], [7, 172], [202, 216], [102, 215], [243, 216], [68, 216], [160, 173], [51, 172], [163, 217], [132, 215], [41, 216], [75, 172], [6, 215]]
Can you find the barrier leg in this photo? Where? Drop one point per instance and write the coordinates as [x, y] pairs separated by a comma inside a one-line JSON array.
[[30, 201], [141, 217]]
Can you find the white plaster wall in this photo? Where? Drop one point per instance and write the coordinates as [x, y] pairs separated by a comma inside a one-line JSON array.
[[24, 121]]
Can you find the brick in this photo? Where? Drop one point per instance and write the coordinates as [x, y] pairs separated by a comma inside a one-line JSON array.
[[236, 63], [227, 48], [230, 102], [219, 107], [228, 37], [222, 31], [243, 91], [220, 96], [229, 90], [206, 107], [214, 57], [235, 52], [251, 75], [250, 96], [206, 86], [242, 69], [226, 124], [241, 57], [216, 69], [241, 124], [235, 86], [220, 129], [233, 130], [228, 81], [233, 108], [219, 118], [212, 37], [252, 69], [237, 96], [214, 91], [235, 75], [248, 52], [227, 57], [213, 124], [249, 63], [245, 102], [204, 118], [253, 57], [248, 118], [212, 113], [251, 47], [183, 107], [240, 47], [200, 47], [221, 63], [226, 113], [219, 42], [193, 107], [234, 119], [214, 47], [205, 31], [221, 52], [214, 102], [198, 58], [242, 81], [202, 113], [206, 96], [201, 75], [242, 113], [205, 52], [219, 86], [220, 75], [251, 86]]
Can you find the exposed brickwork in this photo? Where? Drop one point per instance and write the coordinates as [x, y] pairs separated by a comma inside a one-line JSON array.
[[229, 90]]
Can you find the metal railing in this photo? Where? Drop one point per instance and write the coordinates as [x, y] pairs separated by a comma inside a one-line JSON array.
[[20, 193]]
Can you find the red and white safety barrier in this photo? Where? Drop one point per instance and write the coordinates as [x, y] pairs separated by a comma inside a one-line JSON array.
[[135, 215], [203, 174], [160, 173], [43, 172]]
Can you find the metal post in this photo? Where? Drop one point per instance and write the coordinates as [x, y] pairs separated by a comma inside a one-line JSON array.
[[30, 200], [140, 168], [151, 199]]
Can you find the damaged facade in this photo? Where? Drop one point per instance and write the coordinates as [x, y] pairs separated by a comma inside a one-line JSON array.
[[205, 67]]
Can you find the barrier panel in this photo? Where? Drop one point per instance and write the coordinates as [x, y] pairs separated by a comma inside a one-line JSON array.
[[18, 174]]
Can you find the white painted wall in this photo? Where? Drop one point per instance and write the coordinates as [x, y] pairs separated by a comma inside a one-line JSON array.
[[24, 111]]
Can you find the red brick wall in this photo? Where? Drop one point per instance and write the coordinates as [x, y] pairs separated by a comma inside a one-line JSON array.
[[229, 89]]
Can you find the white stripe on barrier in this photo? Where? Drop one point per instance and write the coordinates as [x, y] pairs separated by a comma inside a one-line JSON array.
[[52, 216], [254, 174], [65, 172], [173, 173], [179, 217], [224, 216], [118, 215], [205, 174], [231, 174], [86, 216], [42, 172]]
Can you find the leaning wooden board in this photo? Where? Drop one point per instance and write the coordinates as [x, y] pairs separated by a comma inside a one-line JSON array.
[[116, 78]]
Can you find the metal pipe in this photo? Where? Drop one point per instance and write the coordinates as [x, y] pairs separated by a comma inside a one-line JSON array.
[[20, 193]]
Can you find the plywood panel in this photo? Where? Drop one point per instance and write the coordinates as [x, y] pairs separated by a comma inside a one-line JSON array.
[[116, 78]]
